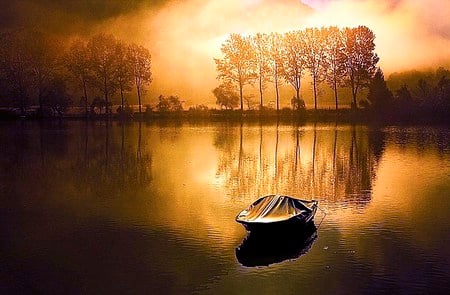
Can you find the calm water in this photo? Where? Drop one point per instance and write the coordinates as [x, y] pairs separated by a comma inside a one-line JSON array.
[[96, 209]]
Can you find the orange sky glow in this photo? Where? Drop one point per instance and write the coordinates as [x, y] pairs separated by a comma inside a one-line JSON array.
[[185, 36]]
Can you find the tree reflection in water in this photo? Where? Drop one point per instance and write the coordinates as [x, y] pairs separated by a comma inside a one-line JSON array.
[[120, 164], [335, 164], [93, 158]]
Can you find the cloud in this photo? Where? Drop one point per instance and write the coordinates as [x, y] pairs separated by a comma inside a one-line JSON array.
[[409, 33], [184, 37], [68, 16]]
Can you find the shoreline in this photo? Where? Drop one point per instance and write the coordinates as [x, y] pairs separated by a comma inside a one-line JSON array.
[[346, 116]]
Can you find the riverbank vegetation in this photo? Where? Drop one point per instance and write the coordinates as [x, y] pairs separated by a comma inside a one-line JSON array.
[[104, 77]]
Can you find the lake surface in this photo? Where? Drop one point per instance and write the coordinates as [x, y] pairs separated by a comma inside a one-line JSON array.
[[93, 208]]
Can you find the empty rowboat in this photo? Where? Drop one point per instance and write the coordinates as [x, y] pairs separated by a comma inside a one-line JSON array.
[[275, 212]]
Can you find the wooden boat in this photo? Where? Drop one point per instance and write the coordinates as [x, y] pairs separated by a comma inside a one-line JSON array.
[[275, 212]]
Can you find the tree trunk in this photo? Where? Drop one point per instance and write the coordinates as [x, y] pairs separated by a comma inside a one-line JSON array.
[[139, 97], [106, 95], [355, 106], [352, 81], [315, 92], [138, 91], [241, 96], [335, 92], [260, 93], [277, 93], [121, 97], [85, 98]]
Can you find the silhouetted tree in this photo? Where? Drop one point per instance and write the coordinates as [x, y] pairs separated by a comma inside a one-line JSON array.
[[261, 46], [443, 93], [226, 97], [141, 61], [359, 58], [238, 63], [57, 97], [45, 61], [314, 50], [379, 96], [30, 61], [102, 52], [297, 104], [77, 61], [99, 103], [403, 105], [123, 73], [276, 61], [404, 95], [198, 108], [169, 104], [294, 59], [334, 73], [16, 71]]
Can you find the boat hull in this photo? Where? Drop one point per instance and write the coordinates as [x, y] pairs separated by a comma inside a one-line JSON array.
[[292, 223]]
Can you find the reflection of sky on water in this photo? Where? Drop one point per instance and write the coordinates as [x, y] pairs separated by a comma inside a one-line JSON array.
[[384, 193]]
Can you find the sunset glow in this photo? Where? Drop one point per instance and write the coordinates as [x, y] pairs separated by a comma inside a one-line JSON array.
[[185, 36], [409, 34], [224, 146]]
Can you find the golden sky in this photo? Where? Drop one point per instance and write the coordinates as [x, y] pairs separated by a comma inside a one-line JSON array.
[[185, 36]]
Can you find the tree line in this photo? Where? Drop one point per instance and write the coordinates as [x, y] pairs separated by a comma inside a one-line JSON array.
[[415, 96], [339, 57], [36, 67]]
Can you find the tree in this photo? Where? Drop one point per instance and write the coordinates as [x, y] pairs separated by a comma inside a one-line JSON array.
[[276, 61], [226, 97], [403, 104], [238, 63], [261, 46], [334, 72], [297, 104], [443, 91], [169, 104], [379, 96], [314, 50], [15, 66], [359, 58], [141, 61], [99, 103], [294, 60], [45, 53], [176, 105], [30, 61], [102, 52], [123, 71], [57, 97], [404, 95], [77, 61]]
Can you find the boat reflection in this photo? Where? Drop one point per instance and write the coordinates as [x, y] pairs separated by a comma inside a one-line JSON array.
[[265, 248]]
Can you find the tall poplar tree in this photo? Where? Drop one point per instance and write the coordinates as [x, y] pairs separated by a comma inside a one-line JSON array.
[[77, 62], [238, 63], [141, 63], [359, 59], [314, 43], [334, 62], [261, 47], [276, 62], [294, 60]]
